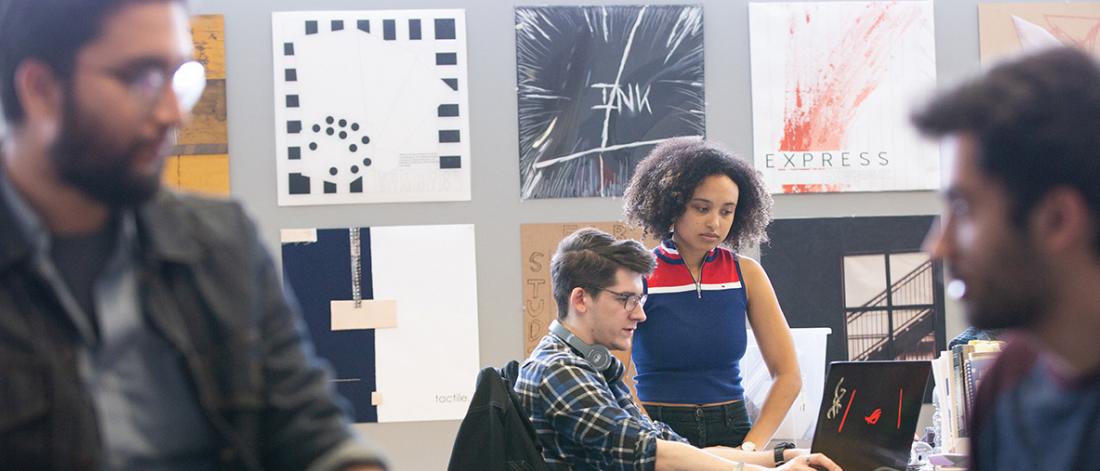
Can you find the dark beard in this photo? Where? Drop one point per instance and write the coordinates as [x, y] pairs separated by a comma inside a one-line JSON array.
[[104, 174], [1006, 316], [1015, 301]]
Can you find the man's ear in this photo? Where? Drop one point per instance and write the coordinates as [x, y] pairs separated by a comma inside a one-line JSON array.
[[579, 299], [39, 91], [1061, 221]]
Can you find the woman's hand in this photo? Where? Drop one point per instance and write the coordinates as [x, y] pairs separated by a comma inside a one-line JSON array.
[[792, 453], [809, 462]]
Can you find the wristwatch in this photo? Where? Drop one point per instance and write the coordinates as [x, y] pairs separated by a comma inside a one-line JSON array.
[[748, 446], [779, 449]]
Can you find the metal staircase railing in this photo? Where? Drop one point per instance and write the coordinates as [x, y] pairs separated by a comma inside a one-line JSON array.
[[908, 301]]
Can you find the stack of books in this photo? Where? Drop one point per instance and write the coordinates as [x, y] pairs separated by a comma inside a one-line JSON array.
[[957, 373]]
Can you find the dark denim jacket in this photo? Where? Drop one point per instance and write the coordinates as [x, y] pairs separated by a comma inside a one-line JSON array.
[[210, 288]]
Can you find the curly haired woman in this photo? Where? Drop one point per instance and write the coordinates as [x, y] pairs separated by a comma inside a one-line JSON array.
[[705, 204]]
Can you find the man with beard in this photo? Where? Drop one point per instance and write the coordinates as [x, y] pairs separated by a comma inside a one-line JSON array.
[[139, 329], [1021, 236]]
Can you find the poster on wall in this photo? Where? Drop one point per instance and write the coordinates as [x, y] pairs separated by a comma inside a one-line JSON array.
[[832, 86], [371, 106], [395, 317], [598, 87], [538, 242], [865, 278], [199, 161], [1007, 28]]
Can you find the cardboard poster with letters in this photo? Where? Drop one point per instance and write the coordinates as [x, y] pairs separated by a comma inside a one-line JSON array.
[[538, 243], [1006, 29], [199, 162]]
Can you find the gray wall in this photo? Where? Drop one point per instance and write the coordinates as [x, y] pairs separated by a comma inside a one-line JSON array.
[[496, 209]]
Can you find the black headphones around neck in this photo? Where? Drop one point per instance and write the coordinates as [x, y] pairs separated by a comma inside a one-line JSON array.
[[597, 355]]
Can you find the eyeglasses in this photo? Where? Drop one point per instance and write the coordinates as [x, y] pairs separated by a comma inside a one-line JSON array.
[[630, 300], [147, 83]]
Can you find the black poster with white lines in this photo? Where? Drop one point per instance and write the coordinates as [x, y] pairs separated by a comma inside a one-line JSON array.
[[371, 106], [598, 87]]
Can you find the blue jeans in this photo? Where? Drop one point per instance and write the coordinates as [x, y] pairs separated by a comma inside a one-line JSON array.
[[724, 425]]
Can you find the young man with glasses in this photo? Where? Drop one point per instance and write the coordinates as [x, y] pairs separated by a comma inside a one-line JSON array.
[[572, 388], [139, 329]]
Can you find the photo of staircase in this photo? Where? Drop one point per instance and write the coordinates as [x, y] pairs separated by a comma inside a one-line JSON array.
[[898, 323], [866, 278]]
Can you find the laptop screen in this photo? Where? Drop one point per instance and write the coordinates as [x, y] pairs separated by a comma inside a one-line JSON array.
[[869, 412]]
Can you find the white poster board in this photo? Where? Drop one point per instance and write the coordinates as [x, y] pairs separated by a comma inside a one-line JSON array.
[[371, 106], [833, 84], [809, 344]]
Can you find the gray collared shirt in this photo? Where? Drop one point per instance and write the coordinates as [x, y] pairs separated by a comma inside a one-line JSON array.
[[149, 416]]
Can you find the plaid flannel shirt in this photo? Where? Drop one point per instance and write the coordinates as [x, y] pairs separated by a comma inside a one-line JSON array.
[[586, 419]]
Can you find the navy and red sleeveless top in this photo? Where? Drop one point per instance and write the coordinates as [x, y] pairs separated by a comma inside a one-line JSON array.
[[689, 349]]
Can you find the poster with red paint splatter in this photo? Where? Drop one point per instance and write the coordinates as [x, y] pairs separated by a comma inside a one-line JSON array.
[[1008, 28], [832, 87]]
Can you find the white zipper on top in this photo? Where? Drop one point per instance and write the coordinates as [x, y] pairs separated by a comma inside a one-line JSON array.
[[699, 282]]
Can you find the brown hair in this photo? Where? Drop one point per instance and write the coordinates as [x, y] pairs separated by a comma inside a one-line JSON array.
[[589, 258]]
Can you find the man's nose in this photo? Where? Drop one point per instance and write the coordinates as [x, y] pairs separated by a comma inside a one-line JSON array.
[[937, 243], [168, 110]]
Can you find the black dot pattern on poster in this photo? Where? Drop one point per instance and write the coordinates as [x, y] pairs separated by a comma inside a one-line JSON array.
[[354, 169], [332, 171], [366, 162], [337, 128]]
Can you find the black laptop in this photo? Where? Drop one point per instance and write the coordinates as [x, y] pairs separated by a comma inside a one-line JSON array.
[[869, 412]]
